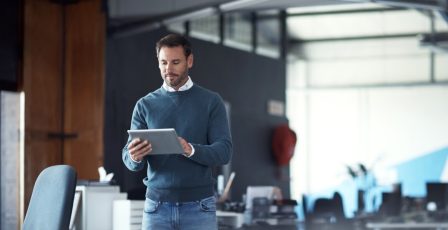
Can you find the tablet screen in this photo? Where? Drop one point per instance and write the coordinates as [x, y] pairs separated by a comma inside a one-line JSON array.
[[163, 141]]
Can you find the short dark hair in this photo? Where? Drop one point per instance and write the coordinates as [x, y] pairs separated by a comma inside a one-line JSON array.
[[173, 40]]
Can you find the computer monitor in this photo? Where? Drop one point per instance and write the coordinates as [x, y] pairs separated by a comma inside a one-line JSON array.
[[437, 192]]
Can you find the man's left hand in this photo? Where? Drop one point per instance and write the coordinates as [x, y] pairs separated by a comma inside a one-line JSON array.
[[185, 146]]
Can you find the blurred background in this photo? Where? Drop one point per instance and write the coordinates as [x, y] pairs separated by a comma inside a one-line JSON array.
[[362, 84]]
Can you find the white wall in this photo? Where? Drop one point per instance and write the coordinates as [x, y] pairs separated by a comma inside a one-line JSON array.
[[10, 114]]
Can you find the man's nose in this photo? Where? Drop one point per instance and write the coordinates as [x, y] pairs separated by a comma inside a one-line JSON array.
[[168, 68]]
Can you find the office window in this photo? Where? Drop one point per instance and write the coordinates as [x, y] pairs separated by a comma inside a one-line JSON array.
[[268, 33], [359, 91], [238, 31], [441, 70], [441, 55], [366, 48], [177, 27], [440, 23], [365, 62], [373, 23], [206, 28]]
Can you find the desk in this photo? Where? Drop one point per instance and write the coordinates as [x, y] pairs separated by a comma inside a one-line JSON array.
[[234, 221], [408, 225], [128, 214], [93, 206], [230, 220]]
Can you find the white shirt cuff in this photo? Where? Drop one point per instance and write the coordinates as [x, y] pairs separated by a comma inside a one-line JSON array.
[[192, 150], [133, 159]]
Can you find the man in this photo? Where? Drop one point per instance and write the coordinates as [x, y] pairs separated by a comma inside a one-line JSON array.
[[180, 188]]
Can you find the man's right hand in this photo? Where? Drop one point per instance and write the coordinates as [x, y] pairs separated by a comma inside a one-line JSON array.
[[138, 149]]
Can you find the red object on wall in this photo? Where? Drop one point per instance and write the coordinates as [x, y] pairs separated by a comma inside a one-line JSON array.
[[283, 144]]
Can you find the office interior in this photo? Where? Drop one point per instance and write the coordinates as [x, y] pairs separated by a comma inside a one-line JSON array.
[[363, 85]]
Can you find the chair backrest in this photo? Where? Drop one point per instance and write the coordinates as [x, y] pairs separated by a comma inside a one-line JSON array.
[[327, 208], [51, 202]]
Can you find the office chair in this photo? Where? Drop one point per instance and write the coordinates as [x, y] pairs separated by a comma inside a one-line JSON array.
[[331, 209], [326, 214], [51, 202]]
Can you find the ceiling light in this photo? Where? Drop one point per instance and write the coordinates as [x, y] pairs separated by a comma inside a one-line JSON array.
[[238, 5]]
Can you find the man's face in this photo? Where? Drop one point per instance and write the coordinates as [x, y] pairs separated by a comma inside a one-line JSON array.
[[174, 65]]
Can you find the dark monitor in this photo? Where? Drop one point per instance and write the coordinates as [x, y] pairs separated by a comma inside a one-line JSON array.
[[437, 192]]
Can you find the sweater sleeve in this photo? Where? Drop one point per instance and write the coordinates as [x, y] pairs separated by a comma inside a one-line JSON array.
[[137, 122], [219, 149]]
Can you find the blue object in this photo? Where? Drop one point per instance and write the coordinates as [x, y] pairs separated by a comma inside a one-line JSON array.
[[414, 174], [51, 202]]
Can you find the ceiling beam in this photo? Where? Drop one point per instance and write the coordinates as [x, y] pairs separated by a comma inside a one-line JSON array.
[[352, 38], [352, 11], [439, 5]]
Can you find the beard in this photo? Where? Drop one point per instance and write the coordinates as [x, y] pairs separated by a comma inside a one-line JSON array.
[[176, 80]]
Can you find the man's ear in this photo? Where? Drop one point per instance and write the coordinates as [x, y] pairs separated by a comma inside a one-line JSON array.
[[190, 60]]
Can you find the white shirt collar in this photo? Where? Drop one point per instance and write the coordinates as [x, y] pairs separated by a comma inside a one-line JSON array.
[[186, 86]]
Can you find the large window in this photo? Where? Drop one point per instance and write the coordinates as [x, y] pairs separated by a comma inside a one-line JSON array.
[[238, 31], [206, 28], [361, 89], [268, 33]]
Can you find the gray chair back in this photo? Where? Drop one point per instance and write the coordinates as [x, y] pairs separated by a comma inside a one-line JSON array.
[[51, 202]]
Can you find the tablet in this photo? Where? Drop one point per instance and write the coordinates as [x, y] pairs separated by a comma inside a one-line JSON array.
[[163, 141]]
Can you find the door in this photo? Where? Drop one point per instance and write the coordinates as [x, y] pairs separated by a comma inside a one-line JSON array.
[[63, 81]]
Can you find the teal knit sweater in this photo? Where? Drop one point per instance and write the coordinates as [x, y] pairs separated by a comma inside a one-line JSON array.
[[199, 116]]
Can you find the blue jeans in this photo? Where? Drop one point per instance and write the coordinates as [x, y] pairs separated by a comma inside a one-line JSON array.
[[194, 215]]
